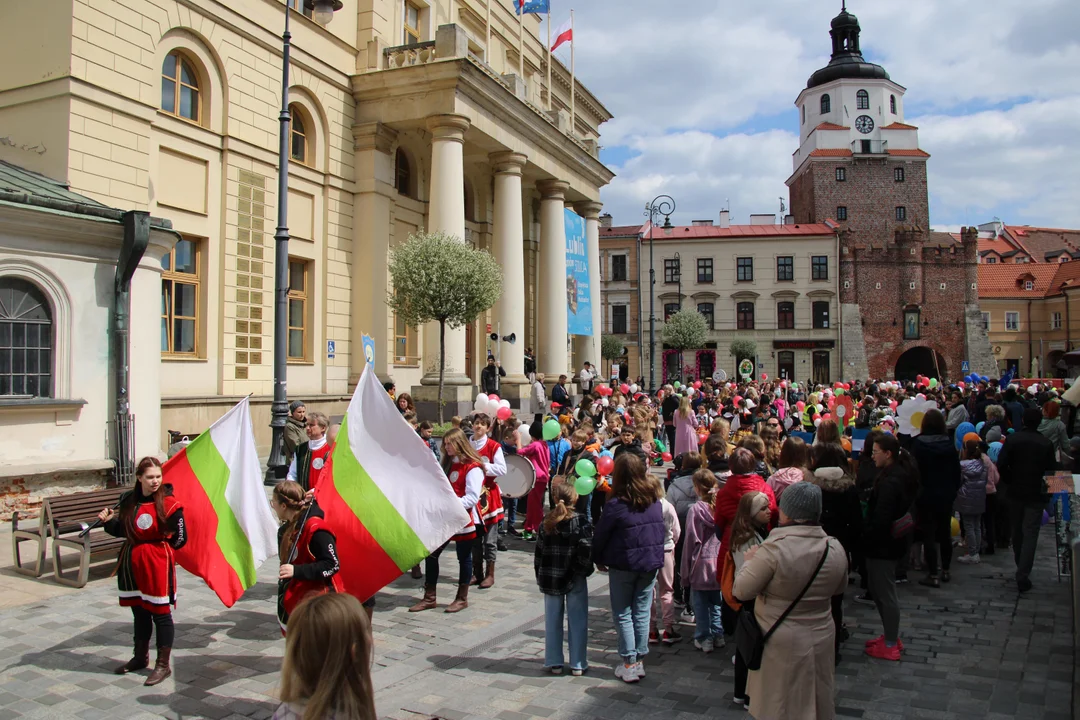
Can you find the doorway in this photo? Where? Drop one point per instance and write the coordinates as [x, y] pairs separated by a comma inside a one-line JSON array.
[[706, 363], [786, 364], [920, 361], [821, 374]]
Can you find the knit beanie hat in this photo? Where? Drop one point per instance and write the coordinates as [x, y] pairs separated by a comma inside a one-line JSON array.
[[801, 502], [969, 437], [993, 435]]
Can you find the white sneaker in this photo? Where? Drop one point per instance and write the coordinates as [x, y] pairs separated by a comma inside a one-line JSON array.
[[639, 668], [687, 616], [969, 559], [626, 673], [705, 646]]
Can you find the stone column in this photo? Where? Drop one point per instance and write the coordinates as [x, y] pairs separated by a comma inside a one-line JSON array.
[[585, 347], [508, 315], [446, 213], [551, 294]]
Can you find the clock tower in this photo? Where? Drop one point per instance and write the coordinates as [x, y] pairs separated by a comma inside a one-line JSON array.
[[902, 288]]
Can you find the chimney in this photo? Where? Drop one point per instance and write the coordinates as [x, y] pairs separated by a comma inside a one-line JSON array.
[[789, 219], [725, 218], [763, 219], [605, 220], [701, 223]]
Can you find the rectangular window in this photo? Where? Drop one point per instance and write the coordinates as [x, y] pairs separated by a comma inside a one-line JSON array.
[[299, 289], [180, 299], [901, 213], [841, 174], [669, 310], [991, 261], [406, 351], [706, 309], [986, 321], [819, 267], [745, 315], [785, 316], [841, 212], [618, 319], [412, 24], [704, 270], [1055, 321], [671, 271], [785, 269], [744, 269], [1012, 321], [821, 315], [618, 268], [300, 7], [898, 174]]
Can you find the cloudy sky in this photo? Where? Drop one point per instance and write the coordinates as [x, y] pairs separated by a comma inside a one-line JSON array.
[[702, 92]]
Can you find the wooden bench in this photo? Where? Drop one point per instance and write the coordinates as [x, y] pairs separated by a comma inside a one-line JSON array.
[[63, 517]]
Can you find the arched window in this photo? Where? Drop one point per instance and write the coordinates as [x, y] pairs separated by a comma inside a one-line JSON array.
[[402, 173], [299, 137], [26, 340], [892, 104], [862, 100], [826, 104], [180, 87]]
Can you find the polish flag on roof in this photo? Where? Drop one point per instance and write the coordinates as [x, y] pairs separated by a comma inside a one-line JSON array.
[[563, 34]]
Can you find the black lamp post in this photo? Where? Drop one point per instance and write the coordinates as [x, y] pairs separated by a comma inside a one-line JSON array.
[[660, 205], [322, 12], [678, 279]]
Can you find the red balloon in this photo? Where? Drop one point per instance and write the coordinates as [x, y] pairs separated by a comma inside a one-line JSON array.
[[605, 465], [666, 457], [764, 376], [826, 416], [702, 438], [504, 413], [624, 388], [697, 384], [800, 406], [493, 399]]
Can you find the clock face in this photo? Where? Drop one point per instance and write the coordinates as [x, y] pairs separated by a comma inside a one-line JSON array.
[[864, 124]]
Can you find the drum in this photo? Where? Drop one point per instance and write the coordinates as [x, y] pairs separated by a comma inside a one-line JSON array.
[[519, 478]]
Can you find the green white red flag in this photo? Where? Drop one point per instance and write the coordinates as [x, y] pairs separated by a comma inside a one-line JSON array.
[[231, 528], [385, 497]]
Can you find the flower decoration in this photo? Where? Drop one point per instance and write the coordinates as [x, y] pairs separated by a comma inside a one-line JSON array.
[[910, 415]]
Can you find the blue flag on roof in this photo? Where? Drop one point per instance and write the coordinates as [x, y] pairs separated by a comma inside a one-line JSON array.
[[532, 6], [1007, 378]]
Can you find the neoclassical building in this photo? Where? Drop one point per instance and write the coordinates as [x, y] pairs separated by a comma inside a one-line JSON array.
[[406, 114]]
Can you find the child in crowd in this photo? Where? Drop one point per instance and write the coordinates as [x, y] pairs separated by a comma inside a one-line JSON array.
[[700, 550], [538, 454], [630, 443], [410, 417], [508, 435], [425, 428], [326, 672], [455, 422], [971, 499], [748, 529], [663, 606], [563, 561]]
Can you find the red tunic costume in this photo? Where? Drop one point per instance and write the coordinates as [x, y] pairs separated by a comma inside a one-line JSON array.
[[491, 504], [146, 575], [459, 471], [308, 553]]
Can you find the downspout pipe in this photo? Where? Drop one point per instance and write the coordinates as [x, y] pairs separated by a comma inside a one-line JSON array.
[[1031, 346], [136, 238]]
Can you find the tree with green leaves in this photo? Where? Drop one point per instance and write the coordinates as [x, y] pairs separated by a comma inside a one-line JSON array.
[[743, 349], [611, 347], [437, 277], [685, 330]]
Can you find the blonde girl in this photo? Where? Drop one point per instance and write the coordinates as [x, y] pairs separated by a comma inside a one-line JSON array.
[[563, 561], [326, 674], [699, 564]]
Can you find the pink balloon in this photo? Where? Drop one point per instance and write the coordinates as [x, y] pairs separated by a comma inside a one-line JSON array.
[[892, 404], [697, 384], [826, 416], [800, 406], [504, 413]]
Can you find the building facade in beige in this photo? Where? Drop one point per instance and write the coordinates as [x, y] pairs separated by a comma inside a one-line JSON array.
[[405, 115], [775, 285]]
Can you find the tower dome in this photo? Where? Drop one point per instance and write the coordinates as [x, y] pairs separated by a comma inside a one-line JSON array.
[[847, 60]]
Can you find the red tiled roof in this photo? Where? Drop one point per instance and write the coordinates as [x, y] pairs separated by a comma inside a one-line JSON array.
[[899, 126], [1001, 281], [831, 126], [997, 245], [1039, 241], [697, 232], [620, 231], [909, 153], [1067, 275], [830, 152]]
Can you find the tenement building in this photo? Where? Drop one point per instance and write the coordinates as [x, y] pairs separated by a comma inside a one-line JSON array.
[[405, 115], [909, 296]]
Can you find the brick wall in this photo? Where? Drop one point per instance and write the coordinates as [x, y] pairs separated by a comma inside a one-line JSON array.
[[26, 492]]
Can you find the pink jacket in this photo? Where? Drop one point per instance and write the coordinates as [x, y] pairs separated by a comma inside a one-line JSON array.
[[992, 475], [538, 454], [782, 478]]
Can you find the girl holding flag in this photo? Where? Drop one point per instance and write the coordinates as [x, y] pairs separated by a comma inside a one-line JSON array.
[[151, 521], [465, 470], [306, 547]]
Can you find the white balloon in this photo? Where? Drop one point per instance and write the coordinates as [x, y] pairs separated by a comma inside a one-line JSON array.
[[634, 388], [481, 403], [504, 403], [523, 434], [604, 402], [817, 422]]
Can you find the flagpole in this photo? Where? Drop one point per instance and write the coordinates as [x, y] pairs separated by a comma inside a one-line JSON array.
[[573, 83], [549, 57], [487, 28], [521, 40]]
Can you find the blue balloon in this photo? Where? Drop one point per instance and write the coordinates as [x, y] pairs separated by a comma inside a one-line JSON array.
[[606, 452], [1012, 430], [961, 430], [994, 450], [983, 378], [980, 426]]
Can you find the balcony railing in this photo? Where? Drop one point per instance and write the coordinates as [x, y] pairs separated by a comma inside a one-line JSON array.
[[413, 54], [870, 147]]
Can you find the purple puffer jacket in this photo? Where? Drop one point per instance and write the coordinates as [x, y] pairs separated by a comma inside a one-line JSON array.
[[700, 549], [629, 540], [971, 500]]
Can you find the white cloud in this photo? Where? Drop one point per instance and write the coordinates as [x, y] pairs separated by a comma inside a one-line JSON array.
[[993, 80]]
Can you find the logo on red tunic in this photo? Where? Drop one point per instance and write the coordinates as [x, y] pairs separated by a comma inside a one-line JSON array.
[[144, 521]]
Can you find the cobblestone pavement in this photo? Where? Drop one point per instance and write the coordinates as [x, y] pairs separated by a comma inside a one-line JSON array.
[[975, 649]]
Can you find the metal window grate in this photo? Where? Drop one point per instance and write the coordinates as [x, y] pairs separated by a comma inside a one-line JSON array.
[[26, 341]]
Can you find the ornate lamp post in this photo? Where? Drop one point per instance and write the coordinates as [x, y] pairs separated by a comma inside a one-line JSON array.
[[322, 12], [660, 205]]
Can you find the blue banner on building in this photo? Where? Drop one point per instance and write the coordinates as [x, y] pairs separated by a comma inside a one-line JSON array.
[[578, 291]]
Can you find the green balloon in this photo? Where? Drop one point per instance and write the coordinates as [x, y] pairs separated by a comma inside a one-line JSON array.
[[584, 485], [678, 384], [552, 430], [585, 468], [839, 391], [794, 386]]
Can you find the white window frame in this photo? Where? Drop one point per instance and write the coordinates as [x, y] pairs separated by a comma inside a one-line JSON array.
[[1012, 321], [1055, 321]]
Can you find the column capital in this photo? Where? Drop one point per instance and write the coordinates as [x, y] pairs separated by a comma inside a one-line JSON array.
[[553, 189], [507, 163], [590, 209], [373, 136], [448, 127]]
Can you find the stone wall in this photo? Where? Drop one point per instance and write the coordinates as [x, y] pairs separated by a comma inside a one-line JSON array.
[[25, 493]]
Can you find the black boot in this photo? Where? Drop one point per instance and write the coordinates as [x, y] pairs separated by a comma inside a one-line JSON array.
[[139, 659]]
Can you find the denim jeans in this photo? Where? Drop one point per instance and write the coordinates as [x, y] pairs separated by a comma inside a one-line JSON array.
[[464, 556], [973, 532], [631, 603], [707, 614], [576, 603], [510, 505]]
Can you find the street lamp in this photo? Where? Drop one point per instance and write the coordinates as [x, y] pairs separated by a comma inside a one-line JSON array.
[[322, 12], [660, 205], [678, 279]]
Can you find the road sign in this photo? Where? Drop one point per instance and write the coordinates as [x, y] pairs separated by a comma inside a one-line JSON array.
[[965, 367], [331, 348]]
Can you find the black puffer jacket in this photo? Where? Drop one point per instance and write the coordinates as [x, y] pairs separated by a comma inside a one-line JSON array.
[[939, 471], [1023, 463], [892, 496]]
